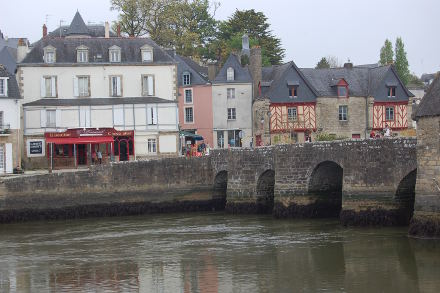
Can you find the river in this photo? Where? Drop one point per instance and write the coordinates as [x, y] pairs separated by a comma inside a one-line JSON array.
[[213, 252]]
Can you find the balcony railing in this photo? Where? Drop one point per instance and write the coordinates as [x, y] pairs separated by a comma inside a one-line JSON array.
[[5, 128]]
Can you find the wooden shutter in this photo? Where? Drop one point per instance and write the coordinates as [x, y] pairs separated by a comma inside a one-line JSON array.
[[118, 116], [58, 118], [118, 86], [75, 87], [149, 115], [43, 87], [53, 83], [150, 85], [43, 118], [154, 109]]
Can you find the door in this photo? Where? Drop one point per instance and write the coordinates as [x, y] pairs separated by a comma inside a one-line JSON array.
[[82, 154], [123, 150], [2, 159], [8, 158], [258, 140]]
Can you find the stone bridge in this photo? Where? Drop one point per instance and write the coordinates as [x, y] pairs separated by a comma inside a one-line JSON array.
[[362, 181]]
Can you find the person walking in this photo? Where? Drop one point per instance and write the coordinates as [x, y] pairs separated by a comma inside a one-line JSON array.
[[99, 155]]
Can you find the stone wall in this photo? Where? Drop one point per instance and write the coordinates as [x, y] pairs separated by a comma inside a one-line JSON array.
[[426, 220], [176, 184]]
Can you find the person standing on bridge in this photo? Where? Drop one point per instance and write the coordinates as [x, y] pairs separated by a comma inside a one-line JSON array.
[[387, 131]]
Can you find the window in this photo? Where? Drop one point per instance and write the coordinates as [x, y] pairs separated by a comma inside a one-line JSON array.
[[151, 142], [189, 115], [186, 78], [220, 139], [391, 92], [81, 86], [114, 54], [49, 87], [188, 96], [231, 114], [291, 113], [293, 92], [50, 118], [148, 85], [234, 138], [343, 113], [389, 113], [82, 55], [230, 74], [147, 53], [1, 120], [152, 115], [49, 54], [230, 93], [115, 86], [3, 87], [342, 91]]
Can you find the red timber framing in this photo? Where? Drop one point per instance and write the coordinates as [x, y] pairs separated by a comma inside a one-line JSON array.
[[281, 122], [399, 121]]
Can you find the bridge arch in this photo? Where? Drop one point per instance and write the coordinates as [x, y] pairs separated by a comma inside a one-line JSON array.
[[220, 189], [405, 197], [265, 192], [325, 189]]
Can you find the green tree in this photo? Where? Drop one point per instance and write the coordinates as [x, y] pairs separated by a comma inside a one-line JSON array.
[[323, 63], [131, 19], [414, 80], [386, 53], [253, 23], [401, 63]]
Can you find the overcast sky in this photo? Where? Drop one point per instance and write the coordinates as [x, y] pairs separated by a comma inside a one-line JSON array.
[[308, 30]]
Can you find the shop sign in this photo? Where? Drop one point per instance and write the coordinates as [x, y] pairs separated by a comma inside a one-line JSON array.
[[35, 148]]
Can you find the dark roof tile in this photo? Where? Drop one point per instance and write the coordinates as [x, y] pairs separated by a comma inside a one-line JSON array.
[[430, 104], [241, 74], [13, 91]]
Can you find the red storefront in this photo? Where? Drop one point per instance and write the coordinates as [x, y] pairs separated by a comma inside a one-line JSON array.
[[80, 146]]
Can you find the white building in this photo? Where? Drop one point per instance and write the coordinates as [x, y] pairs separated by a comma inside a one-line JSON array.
[[89, 91], [9, 122], [232, 105]]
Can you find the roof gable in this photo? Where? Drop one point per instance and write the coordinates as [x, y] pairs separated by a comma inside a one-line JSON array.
[[384, 79], [13, 91], [241, 74], [183, 67], [430, 104], [77, 26]]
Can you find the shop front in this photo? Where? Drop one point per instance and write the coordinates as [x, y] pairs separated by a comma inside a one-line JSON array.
[[88, 146]]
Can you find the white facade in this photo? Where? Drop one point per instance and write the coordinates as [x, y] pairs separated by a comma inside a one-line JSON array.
[[240, 99], [9, 134], [151, 118]]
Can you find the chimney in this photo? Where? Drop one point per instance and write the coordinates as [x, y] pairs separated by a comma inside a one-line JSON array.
[[22, 50], [255, 68], [212, 70], [245, 45], [45, 30], [118, 28], [348, 65], [107, 30]]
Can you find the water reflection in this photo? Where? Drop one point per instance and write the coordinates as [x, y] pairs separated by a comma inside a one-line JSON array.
[[213, 253]]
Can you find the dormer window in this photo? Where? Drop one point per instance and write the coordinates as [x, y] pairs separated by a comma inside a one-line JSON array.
[[49, 54], [186, 78], [82, 54], [114, 53], [293, 88], [391, 92], [230, 74], [342, 91], [3, 86], [147, 53]]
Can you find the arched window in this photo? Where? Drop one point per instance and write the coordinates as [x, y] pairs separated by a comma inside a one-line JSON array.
[[230, 73]]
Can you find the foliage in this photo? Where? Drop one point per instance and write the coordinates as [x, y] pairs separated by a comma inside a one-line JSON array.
[[323, 136], [323, 63], [401, 64], [256, 26], [414, 80], [386, 53]]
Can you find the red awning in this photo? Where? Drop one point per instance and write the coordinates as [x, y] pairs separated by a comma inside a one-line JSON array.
[[80, 140]]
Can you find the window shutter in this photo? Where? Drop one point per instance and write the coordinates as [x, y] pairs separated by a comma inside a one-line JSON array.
[[154, 115], [6, 87], [75, 87], [149, 118], [118, 114], [58, 118], [54, 86], [82, 117], [42, 118], [88, 117], [43, 87], [118, 85], [150, 85]]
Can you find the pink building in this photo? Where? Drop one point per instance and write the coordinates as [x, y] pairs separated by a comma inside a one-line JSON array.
[[195, 101]]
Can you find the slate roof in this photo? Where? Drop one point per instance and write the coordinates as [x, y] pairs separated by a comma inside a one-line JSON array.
[[97, 101], [197, 72], [94, 31], [241, 74], [430, 104], [13, 91], [77, 26], [66, 50], [8, 60]]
